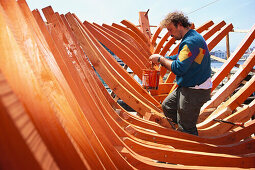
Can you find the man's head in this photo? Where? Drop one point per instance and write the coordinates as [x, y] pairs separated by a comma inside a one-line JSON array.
[[177, 24]]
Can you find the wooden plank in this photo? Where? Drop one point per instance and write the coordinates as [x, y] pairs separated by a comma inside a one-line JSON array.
[[138, 32], [129, 38], [232, 103], [119, 49], [135, 36], [230, 86], [235, 56], [155, 36], [161, 43], [19, 70], [138, 54], [241, 116], [15, 153], [144, 23]]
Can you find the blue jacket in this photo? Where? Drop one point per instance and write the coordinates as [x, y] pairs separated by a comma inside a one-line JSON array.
[[192, 64]]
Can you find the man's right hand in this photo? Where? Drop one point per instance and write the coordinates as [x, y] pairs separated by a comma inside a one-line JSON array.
[[154, 58]]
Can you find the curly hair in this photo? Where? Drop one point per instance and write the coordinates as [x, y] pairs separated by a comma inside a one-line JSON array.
[[175, 18]]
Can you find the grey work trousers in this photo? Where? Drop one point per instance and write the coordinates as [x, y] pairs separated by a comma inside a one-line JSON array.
[[183, 107]]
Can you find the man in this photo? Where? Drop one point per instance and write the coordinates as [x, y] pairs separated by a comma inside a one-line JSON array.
[[192, 67]]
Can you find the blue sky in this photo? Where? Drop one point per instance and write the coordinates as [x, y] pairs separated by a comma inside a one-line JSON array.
[[241, 13]]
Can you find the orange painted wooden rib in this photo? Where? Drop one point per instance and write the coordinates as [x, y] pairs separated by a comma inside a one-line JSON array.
[[81, 139], [25, 129], [138, 32], [190, 158], [214, 29], [224, 139], [129, 38], [219, 36], [144, 24], [80, 95], [229, 87], [134, 84], [118, 48], [145, 163], [241, 116], [226, 108], [190, 145], [162, 88], [15, 152], [155, 36], [83, 121], [111, 80], [57, 141], [137, 53], [161, 43], [77, 135], [205, 26], [97, 121], [235, 56], [135, 36], [166, 47]]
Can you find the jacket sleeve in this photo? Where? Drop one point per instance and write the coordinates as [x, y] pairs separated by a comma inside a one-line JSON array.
[[172, 57], [184, 60]]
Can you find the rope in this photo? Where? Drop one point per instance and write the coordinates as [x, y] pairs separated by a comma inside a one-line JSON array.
[[202, 7]]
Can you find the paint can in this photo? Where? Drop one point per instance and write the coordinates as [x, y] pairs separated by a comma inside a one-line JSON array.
[[150, 79]]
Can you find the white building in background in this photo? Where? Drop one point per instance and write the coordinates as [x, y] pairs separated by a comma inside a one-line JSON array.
[[219, 53]]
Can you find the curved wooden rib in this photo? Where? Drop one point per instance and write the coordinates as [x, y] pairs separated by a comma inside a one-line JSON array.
[[118, 49], [205, 26], [134, 86], [129, 79], [161, 43], [58, 143], [228, 88], [129, 38], [155, 36], [144, 24], [106, 71], [227, 108], [241, 116], [235, 56], [135, 36], [138, 55], [138, 32], [190, 158], [15, 153]]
